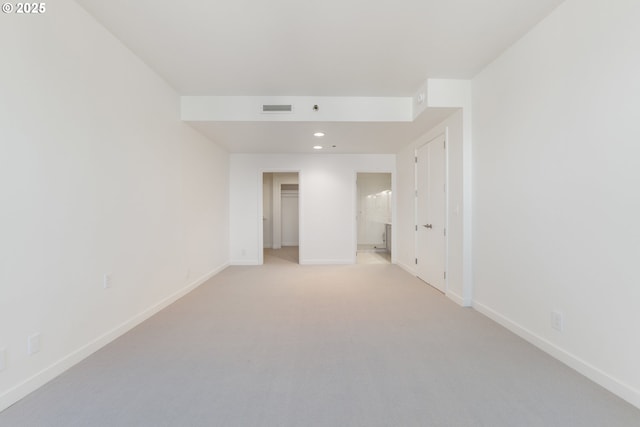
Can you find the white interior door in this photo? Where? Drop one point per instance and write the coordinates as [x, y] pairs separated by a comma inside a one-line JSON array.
[[431, 199]]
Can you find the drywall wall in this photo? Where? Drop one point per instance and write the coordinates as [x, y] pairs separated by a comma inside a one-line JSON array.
[[267, 210], [556, 182], [327, 197], [97, 175], [405, 232]]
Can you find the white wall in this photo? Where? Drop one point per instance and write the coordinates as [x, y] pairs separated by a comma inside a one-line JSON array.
[[556, 185], [267, 210], [97, 174], [327, 200], [405, 197]]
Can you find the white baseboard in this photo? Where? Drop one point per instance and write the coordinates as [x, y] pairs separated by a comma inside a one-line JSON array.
[[456, 298], [596, 375], [406, 268], [449, 294], [36, 381]]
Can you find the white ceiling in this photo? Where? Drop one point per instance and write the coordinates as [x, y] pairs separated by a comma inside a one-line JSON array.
[[319, 48]]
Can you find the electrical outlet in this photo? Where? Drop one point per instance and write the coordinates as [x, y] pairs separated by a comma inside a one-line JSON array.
[[3, 359], [557, 321], [33, 344], [106, 281]]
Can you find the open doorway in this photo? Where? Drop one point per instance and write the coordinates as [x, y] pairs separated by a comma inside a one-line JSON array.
[[374, 218], [280, 217]]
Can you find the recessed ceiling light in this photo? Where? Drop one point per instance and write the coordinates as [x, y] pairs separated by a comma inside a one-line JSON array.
[[318, 134], [317, 147]]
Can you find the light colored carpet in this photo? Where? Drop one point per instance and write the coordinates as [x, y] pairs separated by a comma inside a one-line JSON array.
[[373, 257], [284, 255], [290, 345]]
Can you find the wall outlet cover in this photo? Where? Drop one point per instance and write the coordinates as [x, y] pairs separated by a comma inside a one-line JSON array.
[[106, 281], [557, 321], [33, 344], [3, 359]]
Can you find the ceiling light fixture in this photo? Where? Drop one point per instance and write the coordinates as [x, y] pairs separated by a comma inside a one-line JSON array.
[[318, 134], [317, 147]]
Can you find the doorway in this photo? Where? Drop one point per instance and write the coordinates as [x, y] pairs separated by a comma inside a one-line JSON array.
[[280, 217], [373, 218], [431, 199]]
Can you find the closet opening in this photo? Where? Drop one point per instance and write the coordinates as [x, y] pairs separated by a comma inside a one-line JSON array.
[[280, 217]]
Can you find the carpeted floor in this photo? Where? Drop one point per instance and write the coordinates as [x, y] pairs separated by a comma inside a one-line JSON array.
[[373, 257], [284, 255], [290, 345]]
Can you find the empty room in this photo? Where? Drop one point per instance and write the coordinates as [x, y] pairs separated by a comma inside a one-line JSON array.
[[337, 213]]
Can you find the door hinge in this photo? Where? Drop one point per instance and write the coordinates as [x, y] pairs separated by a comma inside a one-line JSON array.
[[444, 144], [416, 159], [416, 193], [445, 231], [416, 260], [445, 275], [416, 228]]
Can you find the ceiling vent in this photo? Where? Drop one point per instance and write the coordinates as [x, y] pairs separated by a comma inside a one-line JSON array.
[[277, 108]]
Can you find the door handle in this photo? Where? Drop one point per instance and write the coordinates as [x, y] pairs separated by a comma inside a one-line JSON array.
[[427, 225]]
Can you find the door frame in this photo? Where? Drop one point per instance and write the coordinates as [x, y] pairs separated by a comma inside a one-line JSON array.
[[261, 211], [393, 212], [445, 135]]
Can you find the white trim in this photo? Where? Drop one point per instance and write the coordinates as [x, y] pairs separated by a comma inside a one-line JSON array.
[[456, 298], [446, 212], [261, 220], [596, 375], [408, 269], [36, 381], [355, 212], [354, 224], [275, 243]]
